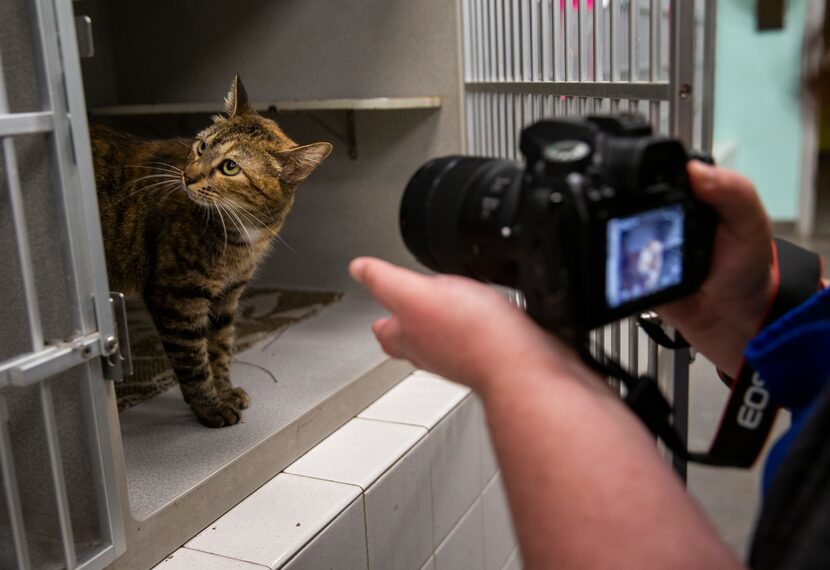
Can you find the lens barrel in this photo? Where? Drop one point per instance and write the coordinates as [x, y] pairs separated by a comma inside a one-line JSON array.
[[451, 215]]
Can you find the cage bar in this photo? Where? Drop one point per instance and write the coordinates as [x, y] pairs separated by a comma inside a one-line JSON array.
[[26, 123], [547, 41], [708, 92], [633, 74], [13, 506], [654, 59], [58, 480], [20, 229], [633, 346]]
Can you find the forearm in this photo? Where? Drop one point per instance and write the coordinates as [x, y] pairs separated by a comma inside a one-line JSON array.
[[586, 485]]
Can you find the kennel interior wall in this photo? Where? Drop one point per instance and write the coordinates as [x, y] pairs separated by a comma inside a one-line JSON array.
[[187, 53]]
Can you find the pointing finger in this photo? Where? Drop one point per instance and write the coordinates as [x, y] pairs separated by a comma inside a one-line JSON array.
[[394, 287]]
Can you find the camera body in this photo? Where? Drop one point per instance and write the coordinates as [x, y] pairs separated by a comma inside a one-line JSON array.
[[600, 224]]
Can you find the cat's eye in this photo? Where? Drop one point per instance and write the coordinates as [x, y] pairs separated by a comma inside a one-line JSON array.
[[230, 167], [200, 148]]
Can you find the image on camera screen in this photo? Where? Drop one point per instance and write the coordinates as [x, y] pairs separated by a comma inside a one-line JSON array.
[[645, 254]]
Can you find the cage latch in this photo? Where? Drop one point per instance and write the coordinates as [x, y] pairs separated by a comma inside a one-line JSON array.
[[117, 358]]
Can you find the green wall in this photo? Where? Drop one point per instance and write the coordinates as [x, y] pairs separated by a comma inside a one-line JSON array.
[[757, 104]]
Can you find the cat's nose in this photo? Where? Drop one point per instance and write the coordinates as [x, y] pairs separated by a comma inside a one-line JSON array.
[[188, 176]]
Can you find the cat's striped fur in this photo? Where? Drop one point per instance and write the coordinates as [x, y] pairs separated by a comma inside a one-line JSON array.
[[184, 228]]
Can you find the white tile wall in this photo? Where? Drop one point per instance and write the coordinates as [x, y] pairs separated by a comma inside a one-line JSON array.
[[489, 466], [358, 453], [464, 546], [339, 546], [456, 461], [186, 559], [514, 562], [411, 483], [276, 521], [422, 399], [499, 537], [399, 514]]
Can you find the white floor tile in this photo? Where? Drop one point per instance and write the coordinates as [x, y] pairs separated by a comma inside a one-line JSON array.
[[463, 548], [339, 546], [421, 399], [399, 514], [358, 453], [456, 481], [187, 559], [276, 521], [499, 536]]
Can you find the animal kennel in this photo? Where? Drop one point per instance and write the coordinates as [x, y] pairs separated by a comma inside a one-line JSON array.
[[390, 84]]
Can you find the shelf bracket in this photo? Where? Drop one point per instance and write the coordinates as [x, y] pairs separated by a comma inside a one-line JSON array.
[[351, 134], [349, 137]]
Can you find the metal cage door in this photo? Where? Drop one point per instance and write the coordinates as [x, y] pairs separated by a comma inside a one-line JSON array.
[[60, 505], [525, 60]]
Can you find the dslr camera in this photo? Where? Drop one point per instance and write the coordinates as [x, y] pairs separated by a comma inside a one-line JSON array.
[[600, 223]]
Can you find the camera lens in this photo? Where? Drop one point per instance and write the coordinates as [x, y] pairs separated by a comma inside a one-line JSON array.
[[452, 213]]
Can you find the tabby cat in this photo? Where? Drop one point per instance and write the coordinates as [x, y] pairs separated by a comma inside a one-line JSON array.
[[185, 224]]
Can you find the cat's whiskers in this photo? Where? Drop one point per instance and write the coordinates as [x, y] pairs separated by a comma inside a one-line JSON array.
[[240, 226], [170, 176], [240, 212], [250, 216], [158, 163], [224, 231], [212, 196], [274, 233], [152, 187], [206, 210], [249, 213], [160, 166], [175, 188]]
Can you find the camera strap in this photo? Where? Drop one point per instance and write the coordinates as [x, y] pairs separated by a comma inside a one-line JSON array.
[[749, 413]]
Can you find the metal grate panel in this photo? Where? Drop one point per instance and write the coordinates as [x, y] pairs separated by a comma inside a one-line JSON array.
[[530, 59]]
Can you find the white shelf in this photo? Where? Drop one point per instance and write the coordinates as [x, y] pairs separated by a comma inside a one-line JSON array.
[[366, 104]]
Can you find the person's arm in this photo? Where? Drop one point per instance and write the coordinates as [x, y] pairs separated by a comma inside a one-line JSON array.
[[586, 485]]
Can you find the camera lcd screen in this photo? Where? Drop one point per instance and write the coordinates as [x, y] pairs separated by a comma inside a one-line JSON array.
[[645, 254]]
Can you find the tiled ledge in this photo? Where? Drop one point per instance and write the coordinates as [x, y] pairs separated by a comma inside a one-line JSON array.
[[411, 482]]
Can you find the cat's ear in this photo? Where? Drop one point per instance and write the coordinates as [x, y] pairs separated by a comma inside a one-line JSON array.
[[297, 163], [236, 102]]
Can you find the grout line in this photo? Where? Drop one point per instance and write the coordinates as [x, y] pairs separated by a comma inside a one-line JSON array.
[[360, 497], [366, 532], [457, 524], [362, 490], [491, 479], [429, 429], [381, 421], [221, 556]]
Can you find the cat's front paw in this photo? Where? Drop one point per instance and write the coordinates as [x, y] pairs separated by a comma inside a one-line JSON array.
[[225, 412], [240, 397]]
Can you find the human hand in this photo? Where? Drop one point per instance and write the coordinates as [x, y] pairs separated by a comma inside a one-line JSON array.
[[725, 313], [455, 327]]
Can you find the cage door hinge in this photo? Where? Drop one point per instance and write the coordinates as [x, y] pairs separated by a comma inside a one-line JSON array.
[[117, 360]]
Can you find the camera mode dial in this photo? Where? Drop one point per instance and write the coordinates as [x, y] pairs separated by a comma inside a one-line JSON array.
[[564, 156]]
